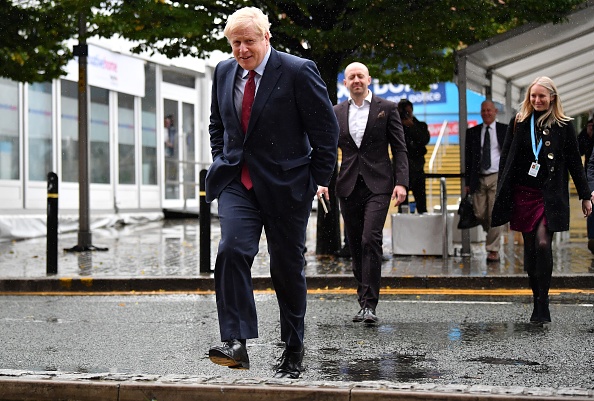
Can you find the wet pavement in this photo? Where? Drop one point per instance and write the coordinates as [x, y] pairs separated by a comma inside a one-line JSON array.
[[423, 347], [171, 248], [401, 360]]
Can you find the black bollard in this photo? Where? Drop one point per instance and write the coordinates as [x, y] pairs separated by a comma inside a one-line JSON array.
[[204, 214], [328, 224], [52, 224]]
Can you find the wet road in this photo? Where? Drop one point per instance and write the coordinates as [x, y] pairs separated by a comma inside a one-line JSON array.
[[420, 339]]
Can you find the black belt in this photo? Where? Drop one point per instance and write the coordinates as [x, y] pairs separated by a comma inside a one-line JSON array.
[[486, 175]]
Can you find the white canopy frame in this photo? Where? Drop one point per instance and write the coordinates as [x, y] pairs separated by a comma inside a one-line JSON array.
[[503, 66]]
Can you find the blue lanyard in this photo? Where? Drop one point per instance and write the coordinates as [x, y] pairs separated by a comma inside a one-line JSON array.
[[535, 150]]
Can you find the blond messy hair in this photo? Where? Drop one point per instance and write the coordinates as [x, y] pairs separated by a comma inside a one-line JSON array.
[[554, 115], [248, 17]]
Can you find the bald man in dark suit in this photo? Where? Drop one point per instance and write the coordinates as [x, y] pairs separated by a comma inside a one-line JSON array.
[[368, 180]]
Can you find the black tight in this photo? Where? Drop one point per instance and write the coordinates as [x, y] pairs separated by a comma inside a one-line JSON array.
[[538, 259]]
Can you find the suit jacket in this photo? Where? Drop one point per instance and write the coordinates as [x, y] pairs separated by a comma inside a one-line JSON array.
[[473, 152], [558, 155], [372, 160], [290, 145]]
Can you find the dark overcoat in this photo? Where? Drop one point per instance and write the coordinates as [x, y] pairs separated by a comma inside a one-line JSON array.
[[559, 155]]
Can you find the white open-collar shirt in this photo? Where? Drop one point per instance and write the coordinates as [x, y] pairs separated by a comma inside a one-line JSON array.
[[358, 116]]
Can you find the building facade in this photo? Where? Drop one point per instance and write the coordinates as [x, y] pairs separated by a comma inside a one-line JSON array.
[[147, 133]]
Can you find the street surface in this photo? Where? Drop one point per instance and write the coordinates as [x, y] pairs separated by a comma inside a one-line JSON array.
[[420, 339]]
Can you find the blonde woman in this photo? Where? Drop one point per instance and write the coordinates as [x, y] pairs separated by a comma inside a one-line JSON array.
[[540, 147]]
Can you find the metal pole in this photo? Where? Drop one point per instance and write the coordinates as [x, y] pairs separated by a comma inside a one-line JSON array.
[[444, 218], [204, 214], [52, 224], [462, 126], [81, 50], [84, 231]]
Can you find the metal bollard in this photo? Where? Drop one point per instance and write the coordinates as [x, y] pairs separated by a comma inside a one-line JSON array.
[[204, 214], [52, 224], [444, 214]]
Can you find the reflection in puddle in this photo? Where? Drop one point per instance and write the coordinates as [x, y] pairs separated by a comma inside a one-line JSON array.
[[391, 366], [472, 331], [503, 361]]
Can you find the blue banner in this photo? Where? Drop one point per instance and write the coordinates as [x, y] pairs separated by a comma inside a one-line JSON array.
[[395, 92]]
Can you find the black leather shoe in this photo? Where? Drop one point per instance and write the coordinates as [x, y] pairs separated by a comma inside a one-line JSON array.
[[344, 252], [289, 366], [360, 316], [232, 354], [369, 316]]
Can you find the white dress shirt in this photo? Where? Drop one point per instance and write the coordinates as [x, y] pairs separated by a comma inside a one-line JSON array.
[[358, 116], [494, 147]]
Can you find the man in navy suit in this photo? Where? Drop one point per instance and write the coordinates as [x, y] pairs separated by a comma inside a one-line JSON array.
[[267, 166], [482, 167], [367, 180]]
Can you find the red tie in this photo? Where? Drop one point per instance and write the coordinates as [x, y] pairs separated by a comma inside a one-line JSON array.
[[249, 93]]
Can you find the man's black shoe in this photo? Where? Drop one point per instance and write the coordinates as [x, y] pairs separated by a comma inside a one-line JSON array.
[[344, 252], [360, 316], [369, 316], [289, 366], [232, 354]]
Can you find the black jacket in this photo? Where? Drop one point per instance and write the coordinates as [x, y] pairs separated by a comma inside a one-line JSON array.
[[417, 137], [558, 156], [472, 150]]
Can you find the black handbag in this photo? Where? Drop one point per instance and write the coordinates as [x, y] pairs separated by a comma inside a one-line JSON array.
[[466, 212]]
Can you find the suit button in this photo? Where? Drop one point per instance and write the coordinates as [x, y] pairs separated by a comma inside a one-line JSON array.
[[552, 169], [551, 156], [545, 132], [548, 143]]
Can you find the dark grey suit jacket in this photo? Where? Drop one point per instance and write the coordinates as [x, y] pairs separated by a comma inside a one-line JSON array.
[[372, 160], [473, 153]]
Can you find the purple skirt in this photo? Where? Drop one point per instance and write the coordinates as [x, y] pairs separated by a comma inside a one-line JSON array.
[[528, 209]]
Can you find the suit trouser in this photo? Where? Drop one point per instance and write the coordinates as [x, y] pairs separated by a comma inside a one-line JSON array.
[[483, 200], [242, 220], [364, 214]]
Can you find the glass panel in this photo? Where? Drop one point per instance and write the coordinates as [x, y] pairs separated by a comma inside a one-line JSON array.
[[9, 130], [189, 152], [99, 136], [176, 78], [126, 145], [149, 127], [69, 122], [40, 131], [171, 150]]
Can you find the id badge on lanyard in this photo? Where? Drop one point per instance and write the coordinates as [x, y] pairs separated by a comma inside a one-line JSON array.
[[534, 167]]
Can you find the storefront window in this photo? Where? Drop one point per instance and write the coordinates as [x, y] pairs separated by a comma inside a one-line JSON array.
[[9, 130], [69, 123], [149, 128], [126, 141], [99, 136], [189, 149], [177, 78], [40, 131]]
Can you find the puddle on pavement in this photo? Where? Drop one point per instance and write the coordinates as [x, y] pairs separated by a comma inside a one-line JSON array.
[[503, 361], [469, 332], [391, 366]]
